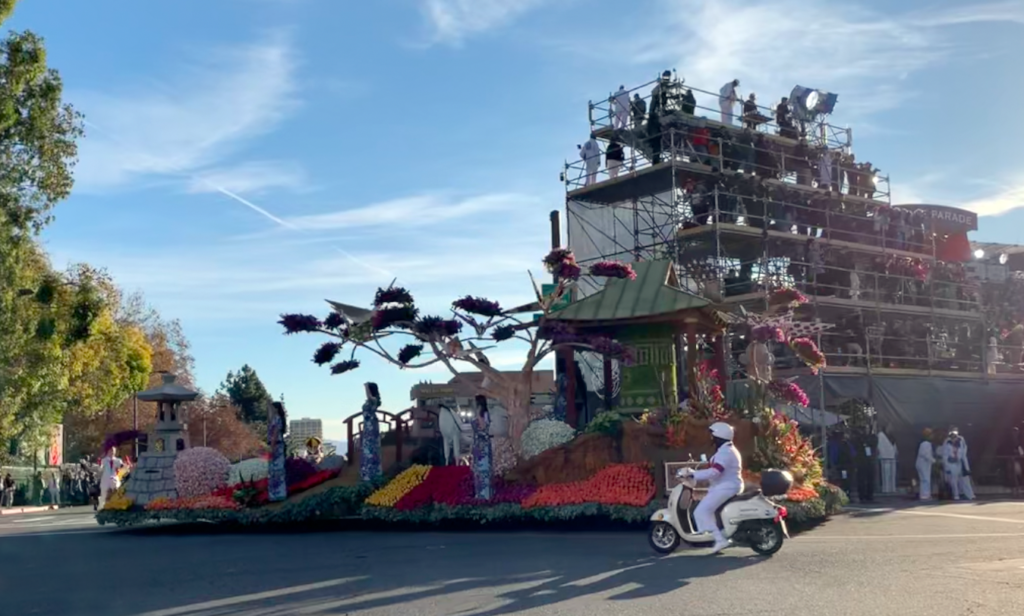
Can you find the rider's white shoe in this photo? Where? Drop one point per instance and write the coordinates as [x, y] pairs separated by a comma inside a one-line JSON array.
[[719, 546]]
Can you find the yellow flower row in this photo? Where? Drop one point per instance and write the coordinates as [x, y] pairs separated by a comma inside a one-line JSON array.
[[399, 486], [118, 502]]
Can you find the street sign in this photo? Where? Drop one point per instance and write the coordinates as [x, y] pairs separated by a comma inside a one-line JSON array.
[[561, 302]]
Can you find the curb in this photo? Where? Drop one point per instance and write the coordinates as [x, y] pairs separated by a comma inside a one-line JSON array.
[[17, 510]]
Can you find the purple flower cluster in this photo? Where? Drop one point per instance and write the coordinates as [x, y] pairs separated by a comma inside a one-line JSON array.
[[786, 295], [384, 318], [299, 323], [326, 353], [502, 333], [392, 295], [478, 305], [409, 352], [562, 263], [344, 366], [334, 321], [768, 333], [613, 269], [436, 326], [298, 469], [788, 392]]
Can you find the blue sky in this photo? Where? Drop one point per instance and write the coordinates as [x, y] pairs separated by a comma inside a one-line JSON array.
[[250, 157]]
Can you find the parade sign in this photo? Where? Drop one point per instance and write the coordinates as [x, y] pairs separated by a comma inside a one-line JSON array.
[[945, 218]]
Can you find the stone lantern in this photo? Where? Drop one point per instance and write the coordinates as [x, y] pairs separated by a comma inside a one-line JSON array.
[[153, 476]]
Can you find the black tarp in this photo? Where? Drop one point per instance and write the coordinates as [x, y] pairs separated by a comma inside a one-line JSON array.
[[984, 411]]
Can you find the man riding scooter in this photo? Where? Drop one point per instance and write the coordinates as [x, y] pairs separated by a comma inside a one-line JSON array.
[[725, 476]]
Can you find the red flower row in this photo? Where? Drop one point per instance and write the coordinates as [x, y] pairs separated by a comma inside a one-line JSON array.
[[448, 485], [619, 484]]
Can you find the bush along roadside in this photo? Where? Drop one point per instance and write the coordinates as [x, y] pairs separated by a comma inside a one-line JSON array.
[[331, 504]]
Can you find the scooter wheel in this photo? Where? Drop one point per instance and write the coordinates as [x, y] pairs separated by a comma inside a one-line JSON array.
[[766, 539], [663, 537]]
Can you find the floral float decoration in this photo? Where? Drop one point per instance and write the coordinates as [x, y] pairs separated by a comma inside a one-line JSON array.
[[460, 341]]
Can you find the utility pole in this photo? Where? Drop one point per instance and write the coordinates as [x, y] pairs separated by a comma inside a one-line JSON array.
[[135, 421]]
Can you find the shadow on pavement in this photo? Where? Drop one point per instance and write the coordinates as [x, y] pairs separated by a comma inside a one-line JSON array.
[[169, 573]]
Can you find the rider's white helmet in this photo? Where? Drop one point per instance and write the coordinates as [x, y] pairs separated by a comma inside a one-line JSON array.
[[722, 430]]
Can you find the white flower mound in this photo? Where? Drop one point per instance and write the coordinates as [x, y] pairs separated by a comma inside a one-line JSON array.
[[199, 471], [252, 469], [544, 434]]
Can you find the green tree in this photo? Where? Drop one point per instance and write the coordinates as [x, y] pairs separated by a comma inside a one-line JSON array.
[[38, 147], [38, 131], [247, 394]]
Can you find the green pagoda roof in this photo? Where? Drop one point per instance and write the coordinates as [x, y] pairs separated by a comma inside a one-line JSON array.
[[654, 293]]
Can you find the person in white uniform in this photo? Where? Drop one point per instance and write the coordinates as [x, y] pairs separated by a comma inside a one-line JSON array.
[[725, 476], [958, 468], [924, 464], [727, 99], [590, 152], [887, 453], [109, 482], [953, 451], [620, 108]]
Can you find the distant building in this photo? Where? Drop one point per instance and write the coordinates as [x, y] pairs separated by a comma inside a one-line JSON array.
[[301, 430], [460, 391]]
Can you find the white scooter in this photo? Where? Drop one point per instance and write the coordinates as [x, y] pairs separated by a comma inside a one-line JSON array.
[[748, 519]]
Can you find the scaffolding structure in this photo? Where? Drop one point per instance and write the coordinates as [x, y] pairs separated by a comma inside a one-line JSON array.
[[742, 210]]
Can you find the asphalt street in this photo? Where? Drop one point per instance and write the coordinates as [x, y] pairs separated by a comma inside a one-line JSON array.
[[951, 559]]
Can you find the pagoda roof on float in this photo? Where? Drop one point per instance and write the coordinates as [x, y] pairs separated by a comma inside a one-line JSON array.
[[653, 297], [168, 391]]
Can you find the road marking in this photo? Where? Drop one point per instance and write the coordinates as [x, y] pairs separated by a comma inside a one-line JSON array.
[[259, 596], [960, 516], [859, 537]]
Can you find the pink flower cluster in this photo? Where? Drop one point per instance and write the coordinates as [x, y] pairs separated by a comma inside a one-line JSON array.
[[199, 471], [613, 269], [788, 392], [768, 333], [808, 353]]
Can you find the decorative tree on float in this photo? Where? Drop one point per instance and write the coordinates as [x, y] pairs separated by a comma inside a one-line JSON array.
[[484, 321], [778, 443]]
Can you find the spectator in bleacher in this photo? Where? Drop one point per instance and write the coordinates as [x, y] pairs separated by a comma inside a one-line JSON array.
[[689, 102], [661, 94], [727, 99], [590, 152], [638, 107], [620, 108], [784, 122], [700, 138], [750, 112], [614, 158]]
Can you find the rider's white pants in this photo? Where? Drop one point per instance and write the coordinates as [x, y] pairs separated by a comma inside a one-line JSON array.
[[704, 514]]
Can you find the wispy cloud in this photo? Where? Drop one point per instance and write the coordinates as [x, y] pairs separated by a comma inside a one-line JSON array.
[[862, 54], [187, 124], [416, 211], [252, 178], [453, 21], [1007, 197]]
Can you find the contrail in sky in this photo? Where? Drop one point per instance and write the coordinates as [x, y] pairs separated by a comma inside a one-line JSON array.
[[252, 206]]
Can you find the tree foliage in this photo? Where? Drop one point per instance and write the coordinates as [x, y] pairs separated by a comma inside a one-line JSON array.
[[38, 132], [214, 422], [462, 338], [247, 393]]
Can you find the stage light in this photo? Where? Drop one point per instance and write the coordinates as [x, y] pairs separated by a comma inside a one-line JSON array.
[[808, 103], [1003, 258], [979, 254]]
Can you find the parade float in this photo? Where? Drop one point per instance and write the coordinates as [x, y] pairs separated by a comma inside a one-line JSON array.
[[614, 471]]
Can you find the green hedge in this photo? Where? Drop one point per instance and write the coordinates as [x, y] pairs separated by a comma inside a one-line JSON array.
[[347, 502], [513, 514], [331, 504]]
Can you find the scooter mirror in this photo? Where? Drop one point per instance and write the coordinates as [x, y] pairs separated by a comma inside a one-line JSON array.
[[704, 457]]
